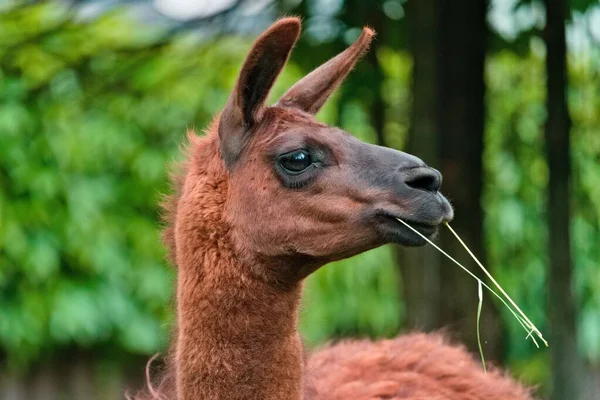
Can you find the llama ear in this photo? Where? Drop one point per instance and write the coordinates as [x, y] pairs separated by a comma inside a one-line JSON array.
[[261, 67], [310, 93]]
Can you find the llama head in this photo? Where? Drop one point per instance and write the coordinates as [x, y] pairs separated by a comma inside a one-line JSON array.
[[300, 190]]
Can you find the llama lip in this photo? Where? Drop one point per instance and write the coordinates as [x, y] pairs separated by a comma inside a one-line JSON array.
[[424, 228], [390, 225]]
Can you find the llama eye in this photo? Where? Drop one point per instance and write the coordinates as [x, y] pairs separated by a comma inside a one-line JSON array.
[[295, 161]]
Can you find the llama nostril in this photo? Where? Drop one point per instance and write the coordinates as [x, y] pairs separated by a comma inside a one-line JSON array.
[[428, 179]]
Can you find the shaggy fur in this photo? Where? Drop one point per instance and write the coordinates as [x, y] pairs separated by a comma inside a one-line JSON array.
[[243, 243], [415, 366]]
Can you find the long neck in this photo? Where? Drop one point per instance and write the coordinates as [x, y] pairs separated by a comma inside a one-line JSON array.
[[237, 334]]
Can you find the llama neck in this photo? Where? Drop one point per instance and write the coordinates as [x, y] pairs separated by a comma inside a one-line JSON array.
[[237, 336], [236, 332]]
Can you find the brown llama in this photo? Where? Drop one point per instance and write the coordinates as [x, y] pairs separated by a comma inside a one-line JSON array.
[[265, 198]]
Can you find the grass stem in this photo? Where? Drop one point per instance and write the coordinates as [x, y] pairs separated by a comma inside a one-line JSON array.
[[520, 316]]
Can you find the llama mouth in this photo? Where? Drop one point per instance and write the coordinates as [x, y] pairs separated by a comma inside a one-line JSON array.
[[395, 231], [424, 228]]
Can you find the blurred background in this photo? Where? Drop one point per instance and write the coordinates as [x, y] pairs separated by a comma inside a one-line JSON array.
[[503, 96]]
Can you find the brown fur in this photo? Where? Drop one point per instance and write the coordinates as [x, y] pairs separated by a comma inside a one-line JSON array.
[[415, 366], [243, 243]]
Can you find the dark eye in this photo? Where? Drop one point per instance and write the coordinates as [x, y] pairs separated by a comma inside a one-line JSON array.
[[295, 161]]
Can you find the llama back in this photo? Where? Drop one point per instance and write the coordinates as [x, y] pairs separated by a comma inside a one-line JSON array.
[[414, 366]]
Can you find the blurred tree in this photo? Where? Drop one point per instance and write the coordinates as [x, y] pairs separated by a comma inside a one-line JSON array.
[[358, 13], [447, 40], [420, 267], [568, 374], [461, 115]]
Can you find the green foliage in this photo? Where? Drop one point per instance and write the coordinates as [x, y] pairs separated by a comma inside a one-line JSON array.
[[354, 297], [515, 193], [584, 100], [90, 114], [516, 178]]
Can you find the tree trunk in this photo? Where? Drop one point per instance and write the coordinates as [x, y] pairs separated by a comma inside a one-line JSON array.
[[377, 107], [567, 366], [461, 114], [419, 267]]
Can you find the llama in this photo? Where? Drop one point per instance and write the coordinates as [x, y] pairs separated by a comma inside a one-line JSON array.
[[265, 198]]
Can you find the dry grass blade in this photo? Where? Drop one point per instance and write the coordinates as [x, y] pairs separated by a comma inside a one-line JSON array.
[[512, 307], [530, 326], [479, 307]]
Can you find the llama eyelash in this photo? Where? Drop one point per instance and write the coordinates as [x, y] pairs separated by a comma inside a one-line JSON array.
[[299, 181]]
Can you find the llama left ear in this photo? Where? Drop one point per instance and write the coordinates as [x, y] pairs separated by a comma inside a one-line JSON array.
[[310, 93], [246, 103]]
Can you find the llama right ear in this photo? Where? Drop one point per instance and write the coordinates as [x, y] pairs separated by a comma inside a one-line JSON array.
[[246, 103], [310, 93]]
